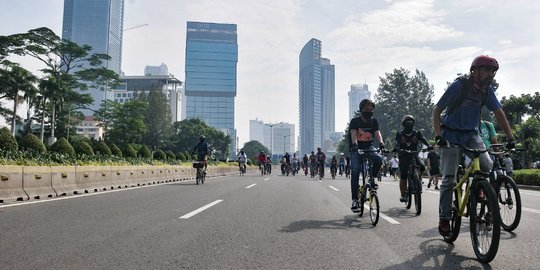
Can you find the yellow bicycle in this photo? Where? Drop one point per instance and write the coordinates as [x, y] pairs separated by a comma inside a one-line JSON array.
[[479, 203]]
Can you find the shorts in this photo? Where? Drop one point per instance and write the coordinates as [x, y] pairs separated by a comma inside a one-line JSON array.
[[434, 171]]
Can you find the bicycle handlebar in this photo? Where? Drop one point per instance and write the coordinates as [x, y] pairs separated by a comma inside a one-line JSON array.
[[490, 150]]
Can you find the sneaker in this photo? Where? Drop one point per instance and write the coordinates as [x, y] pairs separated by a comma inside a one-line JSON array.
[[436, 188], [444, 227], [402, 199], [354, 206], [429, 184]]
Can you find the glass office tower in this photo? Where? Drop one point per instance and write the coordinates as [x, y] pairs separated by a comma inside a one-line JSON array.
[[316, 98], [98, 23], [210, 83]]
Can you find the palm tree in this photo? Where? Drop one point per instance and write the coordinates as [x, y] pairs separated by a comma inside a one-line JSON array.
[[15, 79]]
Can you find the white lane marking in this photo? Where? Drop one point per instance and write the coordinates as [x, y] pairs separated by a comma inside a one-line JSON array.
[[389, 219], [528, 193], [531, 210], [320, 181], [250, 186], [334, 188], [266, 179], [192, 213]]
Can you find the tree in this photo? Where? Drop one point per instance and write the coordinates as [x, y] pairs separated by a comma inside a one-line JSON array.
[[13, 80], [157, 119], [253, 148], [186, 133], [127, 122], [400, 94], [514, 108]]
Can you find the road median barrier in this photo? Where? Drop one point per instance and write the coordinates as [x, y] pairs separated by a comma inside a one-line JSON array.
[[37, 182], [11, 184], [63, 180]]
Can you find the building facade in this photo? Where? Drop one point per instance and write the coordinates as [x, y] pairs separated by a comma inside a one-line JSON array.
[[90, 128], [277, 137], [316, 98], [161, 70], [210, 82], [358, 93], [167, 84], [98, 23]]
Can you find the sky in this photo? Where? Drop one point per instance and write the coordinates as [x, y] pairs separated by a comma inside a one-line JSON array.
[[364, 39]]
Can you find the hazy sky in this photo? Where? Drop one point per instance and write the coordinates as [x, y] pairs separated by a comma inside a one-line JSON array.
[[364, 39]]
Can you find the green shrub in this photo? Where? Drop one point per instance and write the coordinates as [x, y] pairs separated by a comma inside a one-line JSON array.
[[180, 156], [31, 143], [62, 146], [84, 148], [7, 141], [144, 152], [160, 155], [115, 151], [102, 149], [170, 155], [130, 152], [527, 177]]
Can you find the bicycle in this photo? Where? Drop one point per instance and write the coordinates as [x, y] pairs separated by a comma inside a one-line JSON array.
[[268, 168], [347, 171], [507, 194], [479, 203], [367, 188], [414, 181], [201, 174], [320, 166], [242, 166], [333, 171]]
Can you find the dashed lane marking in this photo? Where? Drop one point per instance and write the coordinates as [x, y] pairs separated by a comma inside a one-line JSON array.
[[252, 185], [334, 188], [190, 214]]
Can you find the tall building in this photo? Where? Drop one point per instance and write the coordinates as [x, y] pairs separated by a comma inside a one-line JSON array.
[[277, 137], [98, 23], [210, 87], [358, 93], [316, 98]]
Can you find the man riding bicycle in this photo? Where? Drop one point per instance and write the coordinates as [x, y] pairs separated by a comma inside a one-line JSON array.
[[261, 158], [305, 161], [321, 158], [202, 151], [362, 131], [463, 101], [341, 164], [242, 159], [295, 163], [408, 139]]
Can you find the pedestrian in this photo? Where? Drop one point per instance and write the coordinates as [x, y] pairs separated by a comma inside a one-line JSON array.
[[434, 168]]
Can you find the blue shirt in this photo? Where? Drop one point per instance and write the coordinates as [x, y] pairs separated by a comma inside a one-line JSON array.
[[463, 121]]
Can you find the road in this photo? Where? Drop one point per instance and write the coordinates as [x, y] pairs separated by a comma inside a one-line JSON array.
[[246, 222]]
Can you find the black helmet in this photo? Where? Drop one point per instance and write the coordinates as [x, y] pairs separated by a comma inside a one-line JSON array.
[[407, 118], [365, 102], [202, 138]]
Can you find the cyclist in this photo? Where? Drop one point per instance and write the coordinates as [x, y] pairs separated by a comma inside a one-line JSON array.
[[362, 131], [305, 161], [341, 164], [312, 161], [268, 164], [347, 165], [333, 164], [434, 162], [463, 101], [242, 158], [394, 167], [202, 151], [408, 139], [321, 158], [295, 164], [261, 158]]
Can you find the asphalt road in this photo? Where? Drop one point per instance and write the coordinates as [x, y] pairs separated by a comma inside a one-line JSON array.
[[248, 222]]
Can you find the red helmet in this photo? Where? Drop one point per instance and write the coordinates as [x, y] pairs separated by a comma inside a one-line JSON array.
[[484, 60]]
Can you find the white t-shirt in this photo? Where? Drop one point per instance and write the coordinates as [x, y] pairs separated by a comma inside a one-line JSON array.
[[394, 163]]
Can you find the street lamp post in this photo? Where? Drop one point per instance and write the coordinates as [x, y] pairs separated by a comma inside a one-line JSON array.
[[285, 136]]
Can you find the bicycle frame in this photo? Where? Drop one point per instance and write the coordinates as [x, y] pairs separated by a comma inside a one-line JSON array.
[[463, 198]]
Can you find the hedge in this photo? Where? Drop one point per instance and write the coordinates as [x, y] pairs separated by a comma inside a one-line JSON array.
[[170, 154], [160, 155], [144, 152], [102, 149], [527, 177], [84, 148], [130, 152], [115, 151], [7, 141]]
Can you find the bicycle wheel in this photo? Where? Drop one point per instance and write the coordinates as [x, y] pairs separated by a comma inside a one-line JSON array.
[[455, 222], [409, 191], [485, 221], [417, 193], [198, 176], [203, 177], [509, 202], [374, 208]]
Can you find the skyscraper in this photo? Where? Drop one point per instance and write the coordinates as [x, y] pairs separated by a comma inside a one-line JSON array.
[[358, 93], [316, 97], [210, 87], [98, 23]]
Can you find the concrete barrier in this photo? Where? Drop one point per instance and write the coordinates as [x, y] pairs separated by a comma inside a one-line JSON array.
[[85, 179], [11, 184], [104, 178], [63, 180], [37, 182], [119, 176]]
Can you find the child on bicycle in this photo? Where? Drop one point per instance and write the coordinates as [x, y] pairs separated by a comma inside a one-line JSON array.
[[463, 101], [362, 131], [408, 139]]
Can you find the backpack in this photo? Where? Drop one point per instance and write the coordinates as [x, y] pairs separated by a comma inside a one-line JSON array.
[[460, 98]]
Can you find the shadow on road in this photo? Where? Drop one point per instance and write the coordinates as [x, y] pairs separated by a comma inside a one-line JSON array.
[[348, 222], [401, 212], [437, 254]]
